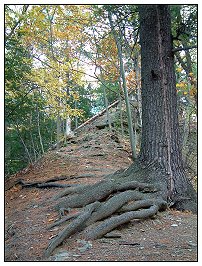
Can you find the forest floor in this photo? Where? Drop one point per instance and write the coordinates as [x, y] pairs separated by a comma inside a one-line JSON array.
[[93, 154]]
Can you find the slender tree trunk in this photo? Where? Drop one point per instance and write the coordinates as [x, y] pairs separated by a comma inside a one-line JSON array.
[[39, 130], [32, 140], [58, 131], [107, 110], [187, 66], [58, 121], [106, 102], [76, 118], [189, 108], [160, 129], [120, 108], [186, 128], [68, 131], [102, 81], [24, 145], [139, 99], [122, 72], [52, 126]]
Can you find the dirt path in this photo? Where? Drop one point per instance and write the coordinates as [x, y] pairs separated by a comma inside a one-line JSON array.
[[171, 236]]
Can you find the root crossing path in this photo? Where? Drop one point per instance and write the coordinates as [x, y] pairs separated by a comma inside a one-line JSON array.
[[95, 206]]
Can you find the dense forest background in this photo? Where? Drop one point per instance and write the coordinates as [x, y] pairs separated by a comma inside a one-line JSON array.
[[65, 63]]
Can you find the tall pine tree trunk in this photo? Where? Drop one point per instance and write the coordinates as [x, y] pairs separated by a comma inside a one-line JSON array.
[[160, 130]]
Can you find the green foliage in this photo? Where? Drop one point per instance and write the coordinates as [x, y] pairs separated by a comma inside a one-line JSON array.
[[48, 49], [112, 92], [17, 65], [184, 22], [14, 153], [85, 102]]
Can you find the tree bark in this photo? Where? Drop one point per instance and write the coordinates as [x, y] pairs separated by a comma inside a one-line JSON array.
[[160, 129]]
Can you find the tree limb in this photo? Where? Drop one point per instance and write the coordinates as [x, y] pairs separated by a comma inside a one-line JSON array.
[[184, 48]]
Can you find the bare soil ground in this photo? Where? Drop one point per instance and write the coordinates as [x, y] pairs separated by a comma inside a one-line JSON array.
[[93, 154]]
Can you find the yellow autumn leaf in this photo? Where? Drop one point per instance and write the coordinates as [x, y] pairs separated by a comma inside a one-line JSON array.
[[179, 69], [179, 85], [192, 92]]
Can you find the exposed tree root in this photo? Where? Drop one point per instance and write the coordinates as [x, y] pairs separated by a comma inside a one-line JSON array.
[[64, 219], [112, 202], [71, 228], [99, 191], [38, 184], [113, 222], [44, 185], [109, 203], [70, 190]]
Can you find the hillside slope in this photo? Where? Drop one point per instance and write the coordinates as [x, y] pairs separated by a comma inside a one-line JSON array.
[[87, 158]]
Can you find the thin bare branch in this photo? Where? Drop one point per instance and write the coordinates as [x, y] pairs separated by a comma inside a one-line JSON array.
[[184, 48]]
